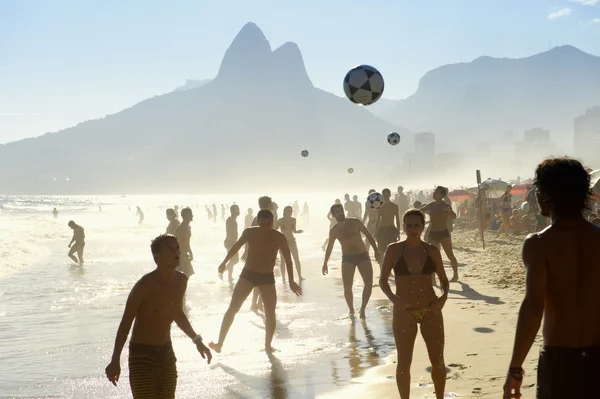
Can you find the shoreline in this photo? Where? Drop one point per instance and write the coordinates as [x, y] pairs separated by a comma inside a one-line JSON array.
[[479, 320]]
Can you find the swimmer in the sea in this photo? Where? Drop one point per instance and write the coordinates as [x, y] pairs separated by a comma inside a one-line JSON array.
[[387, 229], [561, 289], [173, 221], [354, 255], [79, 243], [155, 302], [415, 303], [264, 243], [287, 225], [231, 236], [439, 212], [184, 234]]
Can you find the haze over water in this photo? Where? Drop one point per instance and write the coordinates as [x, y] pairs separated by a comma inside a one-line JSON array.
[[58, 321]]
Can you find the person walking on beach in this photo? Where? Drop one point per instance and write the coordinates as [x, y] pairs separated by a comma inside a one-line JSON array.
[[387, 229], [287, 225], [415, 302], [173, 221], [184, 234], [79, 240], [505, 211], [231, 236], [264, 243], [370, 219], [154, 303], [439, 212], [354, 255], [562, 274]]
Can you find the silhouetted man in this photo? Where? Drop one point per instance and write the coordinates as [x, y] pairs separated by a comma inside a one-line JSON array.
[[79, 240], [173, 221], [184, 234]]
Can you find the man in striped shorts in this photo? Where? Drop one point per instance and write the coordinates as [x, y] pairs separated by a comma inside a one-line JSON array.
[[155, 302]]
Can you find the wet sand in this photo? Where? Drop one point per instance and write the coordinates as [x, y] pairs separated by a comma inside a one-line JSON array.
[[480, 318]]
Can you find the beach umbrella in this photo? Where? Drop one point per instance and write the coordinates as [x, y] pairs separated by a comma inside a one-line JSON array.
[[460, 195], [521, 189], [494, 188]]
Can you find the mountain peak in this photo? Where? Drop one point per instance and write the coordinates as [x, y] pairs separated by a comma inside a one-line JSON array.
[[249, 51], [567, 51]]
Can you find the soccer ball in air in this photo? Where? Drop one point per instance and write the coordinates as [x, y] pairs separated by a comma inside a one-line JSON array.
[[350, 170], [363, 85], [304, 153], [393, 138], [375, 200]]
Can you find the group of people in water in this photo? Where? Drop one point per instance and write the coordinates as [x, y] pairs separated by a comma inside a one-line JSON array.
[[561, 262]]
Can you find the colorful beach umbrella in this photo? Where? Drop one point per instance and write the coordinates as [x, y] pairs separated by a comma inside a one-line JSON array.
[[460, 195]]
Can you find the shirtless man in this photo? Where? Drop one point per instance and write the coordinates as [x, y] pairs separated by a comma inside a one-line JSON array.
[[296, 209], [305, 211], [249, 218], [140, 214], [354, 254], [439, 212], [348, 206], [332, 222], [386, 231], [264, 202], [370, 215], [563, 270], [287, 225], [263, 244], [231, 236], [173, 221], [55, 213], [357, 207], [155, 302], [401, 200], [79, 240], [184, 234]]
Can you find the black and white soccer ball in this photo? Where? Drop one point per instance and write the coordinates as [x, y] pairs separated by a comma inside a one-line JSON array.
[[375, 200], [363, 85], [350, 170], [304, 153], [393, 138]]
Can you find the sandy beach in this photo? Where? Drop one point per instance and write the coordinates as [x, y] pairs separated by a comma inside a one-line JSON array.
[[480, 317]]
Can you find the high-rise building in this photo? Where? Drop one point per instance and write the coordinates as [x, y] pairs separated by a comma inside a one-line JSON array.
[[587, 137]]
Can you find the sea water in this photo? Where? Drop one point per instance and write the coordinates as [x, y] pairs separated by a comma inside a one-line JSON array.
[[58, 320]]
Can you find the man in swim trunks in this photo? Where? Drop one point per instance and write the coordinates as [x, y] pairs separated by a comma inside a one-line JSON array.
[[354, 255], [439, 212], [155, 302], [401, 200], [184, 234], [263, 244], [173, 221], [563, 270], [79, 240], [386, 231], [231, 236], [370, 219]]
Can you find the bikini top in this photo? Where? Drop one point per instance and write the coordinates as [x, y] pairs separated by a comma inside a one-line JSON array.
[[401, 268]]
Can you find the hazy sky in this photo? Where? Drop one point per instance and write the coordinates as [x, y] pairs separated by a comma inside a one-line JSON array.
[[66, 61]]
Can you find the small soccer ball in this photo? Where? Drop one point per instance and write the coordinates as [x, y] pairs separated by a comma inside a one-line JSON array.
[[350, 170], [393, 138], [304, 153], [375, 200], [363, 85]]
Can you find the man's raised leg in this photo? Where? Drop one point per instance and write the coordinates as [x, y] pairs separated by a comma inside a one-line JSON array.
[[348, 270]]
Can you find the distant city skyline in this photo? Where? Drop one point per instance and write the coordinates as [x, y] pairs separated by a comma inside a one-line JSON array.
[[64, 63]]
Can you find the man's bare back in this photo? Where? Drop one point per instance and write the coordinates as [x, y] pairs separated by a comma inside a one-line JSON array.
[[570, 252], [263, 245], [347, 232], [387, 213], [160, 302]]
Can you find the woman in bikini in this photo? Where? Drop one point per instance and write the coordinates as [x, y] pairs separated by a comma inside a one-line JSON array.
[[505, 205], [415, 301]]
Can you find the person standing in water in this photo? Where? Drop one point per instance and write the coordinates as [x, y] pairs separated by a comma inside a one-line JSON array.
[[415, 302], [79, 240], [332, 222], [214, 207], [387, 229], [173, 221], [305, 212], [357, 206], [402, 201], [231, 236], [370, 215], [55, 213], [184, 234], [354, 255], [140, 214], [439, 212], [222, 212], [287, 225], [296, 209], [264, 243], [155, 302], [249, 218], [562, 274]]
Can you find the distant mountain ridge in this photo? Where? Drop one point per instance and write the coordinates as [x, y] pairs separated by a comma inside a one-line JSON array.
[[487, 96], [242, 130]]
